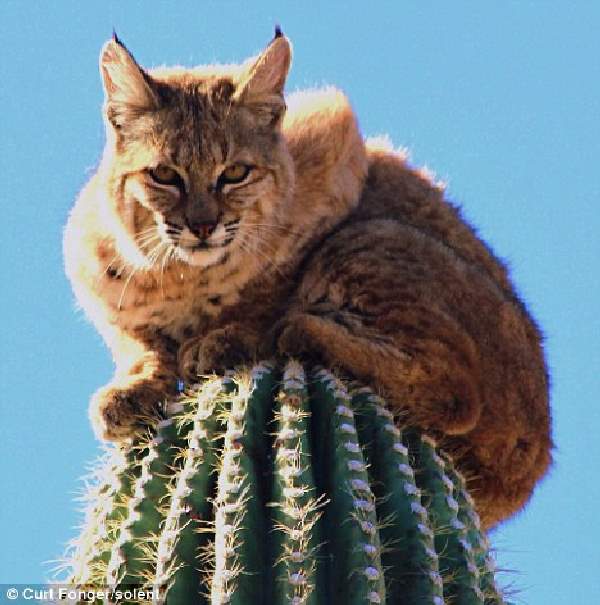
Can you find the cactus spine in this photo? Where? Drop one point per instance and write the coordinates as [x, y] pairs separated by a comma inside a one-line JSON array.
[[276, 486]]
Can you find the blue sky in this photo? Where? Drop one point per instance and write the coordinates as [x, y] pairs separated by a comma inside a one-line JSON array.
[[502, 100]]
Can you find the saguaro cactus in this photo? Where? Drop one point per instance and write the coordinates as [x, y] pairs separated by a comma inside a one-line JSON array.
[[274, 485]]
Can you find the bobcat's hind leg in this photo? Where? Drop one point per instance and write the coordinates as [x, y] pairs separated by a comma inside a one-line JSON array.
[[436, 391]]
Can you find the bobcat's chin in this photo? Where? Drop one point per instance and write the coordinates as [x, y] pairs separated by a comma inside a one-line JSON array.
[[202, 257]]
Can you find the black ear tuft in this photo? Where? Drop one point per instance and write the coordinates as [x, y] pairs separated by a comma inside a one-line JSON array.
[[116, 38], [129, 91], [278, 32]]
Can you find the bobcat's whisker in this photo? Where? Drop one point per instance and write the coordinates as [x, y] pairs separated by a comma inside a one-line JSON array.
[[147, 230], [252, 249], [164, 263], [141, 238], [273, 226], [155, 241], [152, 257], [150, 244], [258, 237], [147, 237], [127, 282], [155, 254]]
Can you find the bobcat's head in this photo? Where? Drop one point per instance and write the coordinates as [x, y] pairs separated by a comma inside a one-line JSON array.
[[197, 165]]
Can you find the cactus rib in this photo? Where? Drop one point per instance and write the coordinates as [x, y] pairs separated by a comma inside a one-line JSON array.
[[297, 508]]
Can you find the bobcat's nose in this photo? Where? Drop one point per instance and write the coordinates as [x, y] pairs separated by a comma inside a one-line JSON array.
[[202, 230]]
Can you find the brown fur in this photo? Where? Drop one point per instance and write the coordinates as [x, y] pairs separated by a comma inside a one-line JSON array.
[[342, 253]]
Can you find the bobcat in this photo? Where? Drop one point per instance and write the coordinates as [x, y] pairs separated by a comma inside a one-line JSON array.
[[221, 228]]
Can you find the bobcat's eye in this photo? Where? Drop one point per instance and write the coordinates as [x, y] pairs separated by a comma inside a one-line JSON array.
[[235, 173], [165, 175]]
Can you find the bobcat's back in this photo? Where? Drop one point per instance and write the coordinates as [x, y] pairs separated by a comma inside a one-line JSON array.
[[403, 294]]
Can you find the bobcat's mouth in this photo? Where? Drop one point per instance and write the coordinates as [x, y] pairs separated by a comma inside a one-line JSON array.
[[202, 250]]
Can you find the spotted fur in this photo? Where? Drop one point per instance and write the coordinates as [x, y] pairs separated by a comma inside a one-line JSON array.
[[331, 249]]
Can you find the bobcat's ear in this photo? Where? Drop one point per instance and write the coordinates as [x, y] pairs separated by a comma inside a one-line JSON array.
[[127, 87], [261, 89]]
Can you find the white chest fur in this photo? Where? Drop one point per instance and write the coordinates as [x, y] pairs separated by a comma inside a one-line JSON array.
[[178, 303]]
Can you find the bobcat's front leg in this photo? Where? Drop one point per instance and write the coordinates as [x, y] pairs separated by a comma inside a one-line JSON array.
[[220, 349], [133, 398]]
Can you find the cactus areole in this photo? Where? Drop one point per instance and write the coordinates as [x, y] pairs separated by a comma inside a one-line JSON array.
[[280, 484]]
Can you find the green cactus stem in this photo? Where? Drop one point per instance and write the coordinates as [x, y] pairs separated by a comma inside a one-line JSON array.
[[283, 485]]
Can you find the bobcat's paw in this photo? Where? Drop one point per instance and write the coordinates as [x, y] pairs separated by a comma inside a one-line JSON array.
[[118, 412], [219, 350]]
